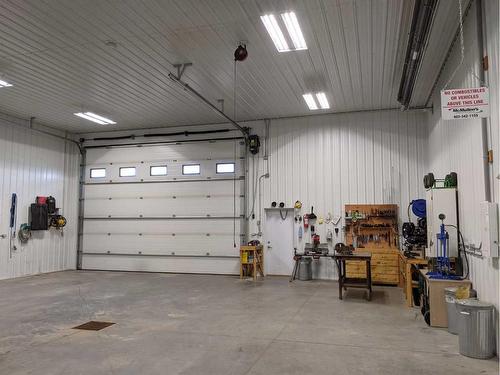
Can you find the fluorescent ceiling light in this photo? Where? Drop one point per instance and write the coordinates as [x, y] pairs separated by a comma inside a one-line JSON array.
[[292, 25], [5, 84], [322, 100], [95, 118], [275, 32], [310, 101]]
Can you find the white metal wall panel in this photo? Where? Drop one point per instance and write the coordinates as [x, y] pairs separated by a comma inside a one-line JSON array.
[[331, 160], [172, 223], [457, 145], [34, 164]]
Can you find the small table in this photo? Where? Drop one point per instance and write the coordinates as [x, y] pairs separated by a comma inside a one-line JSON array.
[[406, 267], [346, 282]]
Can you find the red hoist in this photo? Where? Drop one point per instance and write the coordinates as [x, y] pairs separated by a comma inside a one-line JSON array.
[[306, 221]]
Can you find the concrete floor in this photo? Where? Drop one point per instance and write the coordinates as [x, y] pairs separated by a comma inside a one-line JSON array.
[[193, 324]]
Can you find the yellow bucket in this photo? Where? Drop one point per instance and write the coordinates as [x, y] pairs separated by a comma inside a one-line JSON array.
[[244, 257]]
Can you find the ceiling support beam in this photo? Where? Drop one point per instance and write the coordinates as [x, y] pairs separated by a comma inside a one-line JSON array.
[[197, 95], [181, 68]]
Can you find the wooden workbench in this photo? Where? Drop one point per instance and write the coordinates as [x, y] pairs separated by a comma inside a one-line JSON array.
[[406, 267], [354, 282], [434, 288], [373, 228]]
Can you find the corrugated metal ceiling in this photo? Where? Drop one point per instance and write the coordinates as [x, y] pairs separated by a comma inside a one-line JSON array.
[[55, 53]]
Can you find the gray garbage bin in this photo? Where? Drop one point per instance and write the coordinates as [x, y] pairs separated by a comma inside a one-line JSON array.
[[305, 269], [450, 295], [476, 334]]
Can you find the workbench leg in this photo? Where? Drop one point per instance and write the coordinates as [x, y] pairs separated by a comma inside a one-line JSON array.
[[409, 286], [341, 277], [262, 263], [294, 272], [369, 279], [254, 267]]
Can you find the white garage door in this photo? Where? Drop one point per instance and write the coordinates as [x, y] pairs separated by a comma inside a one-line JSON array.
[[164, 208]]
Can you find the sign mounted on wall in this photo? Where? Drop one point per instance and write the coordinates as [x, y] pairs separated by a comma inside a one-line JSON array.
[[462, 104]]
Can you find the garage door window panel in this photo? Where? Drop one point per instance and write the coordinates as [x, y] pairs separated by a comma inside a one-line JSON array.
[[158, 170], [97, 172], [127, 172], [191, 169], [225, 168]]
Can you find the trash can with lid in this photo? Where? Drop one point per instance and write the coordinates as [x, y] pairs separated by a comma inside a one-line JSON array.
[[450, 298], [476, 334]]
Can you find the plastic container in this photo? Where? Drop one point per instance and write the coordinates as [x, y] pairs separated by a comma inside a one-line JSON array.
[[305, 269], [476, 335]]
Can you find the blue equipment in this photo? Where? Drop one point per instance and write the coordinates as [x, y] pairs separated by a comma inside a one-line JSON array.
[[442, 261], [418, 207]]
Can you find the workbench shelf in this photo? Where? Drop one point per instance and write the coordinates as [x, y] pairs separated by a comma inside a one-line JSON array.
[[251, 262], [373, 228]]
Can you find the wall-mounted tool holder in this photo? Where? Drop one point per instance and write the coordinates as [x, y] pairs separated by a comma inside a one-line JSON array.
[[12, 224], [373, 228], [44, 214], [39, 217]]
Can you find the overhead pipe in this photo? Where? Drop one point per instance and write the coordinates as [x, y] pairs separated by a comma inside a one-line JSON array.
[[31, 123], [185, 133], [196, 94], [175, 142], [488, 186]]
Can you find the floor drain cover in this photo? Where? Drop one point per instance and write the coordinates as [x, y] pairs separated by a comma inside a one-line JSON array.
[[93, 325]]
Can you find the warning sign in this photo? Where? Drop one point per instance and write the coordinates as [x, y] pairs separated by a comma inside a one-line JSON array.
[[460, 104]]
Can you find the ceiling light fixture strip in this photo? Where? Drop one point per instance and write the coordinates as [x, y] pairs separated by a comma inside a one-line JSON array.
[[5, 84], [95, 118], [311, 103], [274, 31], [322, 100], [292, 25]]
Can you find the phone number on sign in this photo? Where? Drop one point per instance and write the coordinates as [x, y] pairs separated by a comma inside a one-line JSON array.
[[466, 115]]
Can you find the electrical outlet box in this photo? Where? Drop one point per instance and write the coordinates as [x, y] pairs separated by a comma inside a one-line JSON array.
[[489, 229]]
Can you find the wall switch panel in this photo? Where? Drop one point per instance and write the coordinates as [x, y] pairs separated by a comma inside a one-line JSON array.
[[489, 229]]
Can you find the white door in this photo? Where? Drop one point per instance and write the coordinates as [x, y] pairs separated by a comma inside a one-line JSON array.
[[278, 234], [164, 208]]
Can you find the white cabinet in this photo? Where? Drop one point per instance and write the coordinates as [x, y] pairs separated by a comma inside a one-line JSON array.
[[442, 201]]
